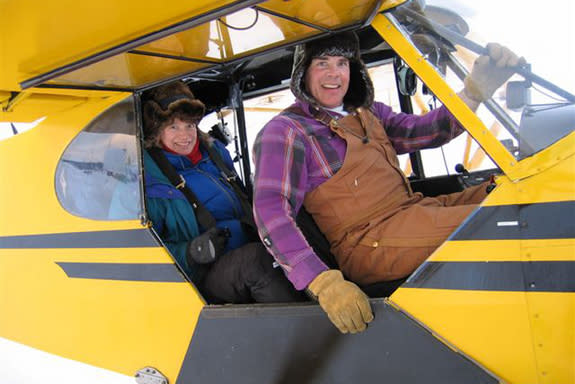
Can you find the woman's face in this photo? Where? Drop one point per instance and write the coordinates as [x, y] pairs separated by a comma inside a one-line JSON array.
[[179, 136]]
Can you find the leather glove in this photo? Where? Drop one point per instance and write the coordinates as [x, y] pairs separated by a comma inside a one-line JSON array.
[[207, 247], [491, 71], [345, 304]]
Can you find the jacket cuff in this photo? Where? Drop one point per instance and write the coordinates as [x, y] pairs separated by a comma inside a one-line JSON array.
[[303, 273]]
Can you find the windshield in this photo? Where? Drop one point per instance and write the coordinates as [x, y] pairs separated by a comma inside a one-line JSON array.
[[535, 108]]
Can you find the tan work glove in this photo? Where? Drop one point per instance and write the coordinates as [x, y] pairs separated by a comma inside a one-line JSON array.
[[345, 304], [490, 72]]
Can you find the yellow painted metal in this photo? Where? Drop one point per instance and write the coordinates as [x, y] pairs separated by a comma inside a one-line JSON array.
[[554, 182], [38, 36], [466, 152], [389, 4], [324, 13], [546, 158], [191, 44], [4, 97], [402, 46], [523, 337], [13, 101], [507, 250], [132, 70], [552, 321], [36, 106], [118, 325], [128, 70], [496, 329]]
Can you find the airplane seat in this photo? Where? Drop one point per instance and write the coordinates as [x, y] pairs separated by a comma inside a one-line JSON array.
[[320, 245], [315, 237], [382, 289]]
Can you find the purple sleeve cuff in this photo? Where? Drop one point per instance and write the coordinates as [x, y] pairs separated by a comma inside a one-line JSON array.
[[303, 273]]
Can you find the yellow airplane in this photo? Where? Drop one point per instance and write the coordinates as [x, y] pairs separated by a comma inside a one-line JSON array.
[[88, 292]]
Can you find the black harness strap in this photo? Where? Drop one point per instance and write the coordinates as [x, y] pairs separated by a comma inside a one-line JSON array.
[[204, 217], [232, 179]]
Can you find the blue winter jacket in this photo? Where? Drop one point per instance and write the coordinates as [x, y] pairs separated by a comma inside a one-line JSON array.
[[172, 215]]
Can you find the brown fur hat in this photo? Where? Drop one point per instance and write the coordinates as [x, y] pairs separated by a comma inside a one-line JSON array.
[[346, 44], [164, 104]]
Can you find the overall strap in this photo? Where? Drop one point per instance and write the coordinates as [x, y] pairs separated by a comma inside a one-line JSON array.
[[204, 217], [232, 179]]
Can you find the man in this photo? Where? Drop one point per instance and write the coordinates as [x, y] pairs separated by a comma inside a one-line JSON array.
[[335, 152]]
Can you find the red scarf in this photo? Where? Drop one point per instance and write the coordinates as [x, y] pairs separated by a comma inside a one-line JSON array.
[[195, 156]]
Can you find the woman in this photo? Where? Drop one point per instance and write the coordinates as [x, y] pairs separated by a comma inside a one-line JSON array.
[[214, 247]]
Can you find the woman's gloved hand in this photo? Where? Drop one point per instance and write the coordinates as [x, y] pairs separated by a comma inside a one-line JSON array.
[[345, 304], [491, 71], [207, 247]]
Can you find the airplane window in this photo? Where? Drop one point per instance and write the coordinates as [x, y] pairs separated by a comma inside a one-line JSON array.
[[463, 149], [97, 176], [385, 91]]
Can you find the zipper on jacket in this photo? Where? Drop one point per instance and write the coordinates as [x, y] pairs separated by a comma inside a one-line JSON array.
[[218, 181]]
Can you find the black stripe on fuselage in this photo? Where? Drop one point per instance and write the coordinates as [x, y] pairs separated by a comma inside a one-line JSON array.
[[129, 238], [533, 276], [167, 273], [520, 222]]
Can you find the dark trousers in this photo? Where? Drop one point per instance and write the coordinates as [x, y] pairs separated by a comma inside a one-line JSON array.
[[247, 275]]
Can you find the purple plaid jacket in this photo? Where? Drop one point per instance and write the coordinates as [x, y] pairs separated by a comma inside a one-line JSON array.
[[296, 153]]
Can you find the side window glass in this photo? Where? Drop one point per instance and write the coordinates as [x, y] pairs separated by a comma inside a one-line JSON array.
[[463, 149], [385, 91], [97, 176]]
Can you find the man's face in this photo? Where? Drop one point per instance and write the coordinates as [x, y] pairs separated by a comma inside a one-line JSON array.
[[327, 80]]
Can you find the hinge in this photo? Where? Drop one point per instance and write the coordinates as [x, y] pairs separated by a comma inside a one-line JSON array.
[[149, 375]]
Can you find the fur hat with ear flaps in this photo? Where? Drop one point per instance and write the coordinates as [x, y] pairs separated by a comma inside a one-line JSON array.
[[164, 104], [346, 44]]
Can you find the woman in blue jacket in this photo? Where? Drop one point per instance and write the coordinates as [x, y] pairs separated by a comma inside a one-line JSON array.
[[219, 256]]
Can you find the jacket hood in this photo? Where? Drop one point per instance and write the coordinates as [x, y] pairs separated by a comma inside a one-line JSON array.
[[346, 44]]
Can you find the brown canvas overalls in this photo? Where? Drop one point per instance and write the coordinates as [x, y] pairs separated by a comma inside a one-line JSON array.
[[378, 228]]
